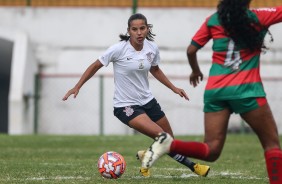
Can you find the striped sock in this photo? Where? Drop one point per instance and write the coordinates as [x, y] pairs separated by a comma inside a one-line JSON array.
[[273, 158], [183, 160]]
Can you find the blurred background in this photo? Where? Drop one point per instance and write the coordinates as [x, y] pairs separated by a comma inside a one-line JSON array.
[[45, 46]]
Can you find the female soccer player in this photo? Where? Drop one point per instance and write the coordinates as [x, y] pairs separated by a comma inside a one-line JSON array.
[[134, 104], [234, 85]]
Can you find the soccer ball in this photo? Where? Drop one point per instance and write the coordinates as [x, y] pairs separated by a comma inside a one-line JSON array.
[[111, 165]]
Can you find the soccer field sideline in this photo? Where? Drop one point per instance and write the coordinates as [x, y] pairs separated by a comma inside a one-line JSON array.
[[73, 159], [237, 176]]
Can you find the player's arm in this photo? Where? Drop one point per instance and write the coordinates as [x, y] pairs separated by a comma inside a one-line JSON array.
[[196, 76], [89, 72], [160, 76], [201, 37], [269, 16]]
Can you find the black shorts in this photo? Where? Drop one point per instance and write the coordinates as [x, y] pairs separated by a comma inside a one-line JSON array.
[[152, 109]]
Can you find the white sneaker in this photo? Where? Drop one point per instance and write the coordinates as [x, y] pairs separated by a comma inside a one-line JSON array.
[[140, 155], [160, 146], [143, 171]]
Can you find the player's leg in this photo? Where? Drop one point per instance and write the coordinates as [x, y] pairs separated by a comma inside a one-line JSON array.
[[215, 132], [216, 124], [262, 122], [216, 117], [197, 168], [135, 117], [143, 124], [151, 124], [154, 111]]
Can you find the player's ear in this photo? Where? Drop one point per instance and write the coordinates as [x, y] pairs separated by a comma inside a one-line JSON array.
[[128, 32]]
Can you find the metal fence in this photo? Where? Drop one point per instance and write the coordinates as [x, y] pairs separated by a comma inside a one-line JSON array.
[[92, 112]]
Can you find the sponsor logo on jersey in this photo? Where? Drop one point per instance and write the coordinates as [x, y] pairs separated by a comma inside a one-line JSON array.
[[266, 9]]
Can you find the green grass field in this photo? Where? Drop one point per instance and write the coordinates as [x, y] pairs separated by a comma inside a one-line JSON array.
[[73, 159]]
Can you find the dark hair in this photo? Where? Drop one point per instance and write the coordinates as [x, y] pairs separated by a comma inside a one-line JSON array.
[[137, 16], [239, 26]]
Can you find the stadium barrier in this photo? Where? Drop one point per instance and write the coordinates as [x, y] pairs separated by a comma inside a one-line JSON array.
[[129, 3], [92, 112]]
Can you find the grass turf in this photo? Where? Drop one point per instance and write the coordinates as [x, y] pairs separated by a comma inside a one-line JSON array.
[[73, 159]]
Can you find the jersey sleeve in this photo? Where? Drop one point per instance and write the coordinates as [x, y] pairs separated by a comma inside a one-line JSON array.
[[110, 55], [202, 36], [269, 16], [157, 58]]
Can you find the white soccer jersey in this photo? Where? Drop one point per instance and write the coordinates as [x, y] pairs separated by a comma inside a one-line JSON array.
[[131, 69]]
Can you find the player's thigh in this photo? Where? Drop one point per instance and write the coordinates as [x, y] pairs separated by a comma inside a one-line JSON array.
[[262, 122], [143, 124], [156, 114], [216, 124]]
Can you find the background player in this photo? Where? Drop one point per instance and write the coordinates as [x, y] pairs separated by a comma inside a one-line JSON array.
[[134, 104]]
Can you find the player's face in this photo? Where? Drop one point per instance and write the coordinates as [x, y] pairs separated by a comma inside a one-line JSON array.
[[138, 31]]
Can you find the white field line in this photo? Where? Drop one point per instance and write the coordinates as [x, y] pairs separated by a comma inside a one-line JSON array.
[[60, 164], [57, 178], [232, 175], [60, 178]]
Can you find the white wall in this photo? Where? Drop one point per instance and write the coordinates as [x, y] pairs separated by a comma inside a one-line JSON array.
[[67, 40], [23, 68]]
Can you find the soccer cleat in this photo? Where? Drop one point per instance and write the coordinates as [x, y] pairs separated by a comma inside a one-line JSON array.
[[145, 172], [160, 146], [140, 155], [201, 170]]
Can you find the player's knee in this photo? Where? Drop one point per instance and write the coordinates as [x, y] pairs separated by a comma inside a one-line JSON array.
[[213, 156]]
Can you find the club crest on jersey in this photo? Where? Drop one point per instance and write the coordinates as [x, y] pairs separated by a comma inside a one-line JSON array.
[[141, 64], [128, 111], [149, 56]]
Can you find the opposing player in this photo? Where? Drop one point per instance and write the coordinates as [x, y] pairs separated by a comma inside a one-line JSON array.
[[234, 85], [134, 104]]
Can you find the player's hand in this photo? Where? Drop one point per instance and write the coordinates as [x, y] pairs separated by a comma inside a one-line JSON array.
[[181, 93], [74, 91], [195, 78]]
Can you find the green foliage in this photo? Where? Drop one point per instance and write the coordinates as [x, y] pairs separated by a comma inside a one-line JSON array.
[[72, 159]]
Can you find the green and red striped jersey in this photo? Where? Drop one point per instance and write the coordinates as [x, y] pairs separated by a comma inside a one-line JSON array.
[[243, 81]]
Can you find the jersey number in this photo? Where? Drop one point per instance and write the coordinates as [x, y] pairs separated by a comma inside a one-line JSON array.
[[233, 58]]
